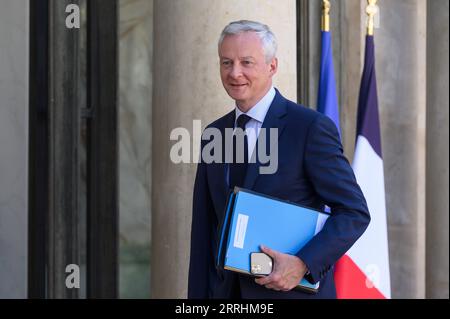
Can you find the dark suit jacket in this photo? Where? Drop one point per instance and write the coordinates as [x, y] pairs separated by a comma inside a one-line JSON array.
[[312, 171]]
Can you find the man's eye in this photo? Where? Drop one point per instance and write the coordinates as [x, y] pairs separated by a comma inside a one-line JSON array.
[[226, 63], [247, 62]]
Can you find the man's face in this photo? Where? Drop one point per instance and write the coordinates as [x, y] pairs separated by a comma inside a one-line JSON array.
[[245, 74]]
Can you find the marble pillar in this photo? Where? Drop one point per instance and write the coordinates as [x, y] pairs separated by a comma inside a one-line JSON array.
[[187, 87], [351, 62], [135, 146], [14, 50], [437, 150], [401, 75]]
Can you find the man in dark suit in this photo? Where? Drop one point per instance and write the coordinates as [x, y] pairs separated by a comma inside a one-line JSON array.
[[312, 171]]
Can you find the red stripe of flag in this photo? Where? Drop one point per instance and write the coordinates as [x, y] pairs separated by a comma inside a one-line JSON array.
[[352, 283]]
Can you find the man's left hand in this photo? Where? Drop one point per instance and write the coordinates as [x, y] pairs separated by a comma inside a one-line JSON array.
[[287, 271]]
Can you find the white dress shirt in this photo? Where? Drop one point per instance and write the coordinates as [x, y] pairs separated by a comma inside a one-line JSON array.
[[257, 114]]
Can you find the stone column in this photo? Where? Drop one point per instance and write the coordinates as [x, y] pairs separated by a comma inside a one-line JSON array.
[[437, 150], [14, 44], [187, 87], [401, 74], [351, 58], [135, 101]]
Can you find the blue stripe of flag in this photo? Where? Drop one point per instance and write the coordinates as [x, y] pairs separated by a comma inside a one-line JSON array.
[[368, 120], [327, 102]]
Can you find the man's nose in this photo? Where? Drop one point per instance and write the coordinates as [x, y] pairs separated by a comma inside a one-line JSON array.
[[236, 71]]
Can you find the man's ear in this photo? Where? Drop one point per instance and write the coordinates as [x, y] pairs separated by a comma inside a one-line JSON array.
[[273, 66]]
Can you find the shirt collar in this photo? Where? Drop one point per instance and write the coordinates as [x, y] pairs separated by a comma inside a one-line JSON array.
[[259, 111]]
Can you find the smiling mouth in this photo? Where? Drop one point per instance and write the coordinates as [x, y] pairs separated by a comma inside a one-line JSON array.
[[237, 85]]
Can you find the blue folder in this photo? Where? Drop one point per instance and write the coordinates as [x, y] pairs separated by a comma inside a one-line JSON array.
[[253, 219]]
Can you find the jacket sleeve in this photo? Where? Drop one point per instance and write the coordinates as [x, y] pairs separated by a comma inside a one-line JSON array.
[[201, 256], [333, 180]]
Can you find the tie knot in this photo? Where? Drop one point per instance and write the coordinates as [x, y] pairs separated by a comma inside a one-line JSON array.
[[242, 120]]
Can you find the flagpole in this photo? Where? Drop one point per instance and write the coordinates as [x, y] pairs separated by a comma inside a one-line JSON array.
[[371, 11], [326, 5]]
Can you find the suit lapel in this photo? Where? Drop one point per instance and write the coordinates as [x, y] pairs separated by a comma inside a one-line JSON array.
[[275, 118]]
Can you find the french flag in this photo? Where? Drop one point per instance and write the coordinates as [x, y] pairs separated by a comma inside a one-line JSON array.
[[363, 273]]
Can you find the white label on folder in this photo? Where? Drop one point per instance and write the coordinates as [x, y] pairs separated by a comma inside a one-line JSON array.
[[321, 219], [241, 229]]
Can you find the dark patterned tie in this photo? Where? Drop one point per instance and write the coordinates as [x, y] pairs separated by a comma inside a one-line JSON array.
[[238, 170]]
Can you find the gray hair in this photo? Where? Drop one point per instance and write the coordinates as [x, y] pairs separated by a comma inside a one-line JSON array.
[[268, 40]]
